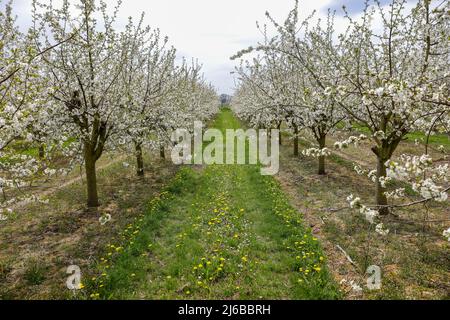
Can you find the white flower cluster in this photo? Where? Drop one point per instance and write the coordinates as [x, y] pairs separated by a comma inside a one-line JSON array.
[[372, 175], [353, 285], [50, 172], [360, 171], [380, 135], [105, 218], [410, 165], [315, 152], [349, 141], [423, 176], [429, 190], [368, 213], [395, 194], [379, 228], [353, 201], [446, 234]]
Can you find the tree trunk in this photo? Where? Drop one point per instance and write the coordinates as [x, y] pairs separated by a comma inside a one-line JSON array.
[[139, 160], [91, 178], [321, 169], [381, 199], [295, 140], [162, 153], [279, 133], [41, 151]]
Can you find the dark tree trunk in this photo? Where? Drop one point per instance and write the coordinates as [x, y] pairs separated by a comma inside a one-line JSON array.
[[139, 160], [91, 178], [162, 153], [295, 140], [321, 169], [279, 133], [41, 151]]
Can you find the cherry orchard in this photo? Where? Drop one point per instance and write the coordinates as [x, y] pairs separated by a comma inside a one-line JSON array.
[[160, 94], [398, 78], [87, 98], [21, 85], [75, 86], [115, 88], [147, 78], [287, 91], [14, 93], [393, 82]]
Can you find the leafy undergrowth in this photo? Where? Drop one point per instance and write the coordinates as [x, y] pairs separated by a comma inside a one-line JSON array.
[[221, 232]]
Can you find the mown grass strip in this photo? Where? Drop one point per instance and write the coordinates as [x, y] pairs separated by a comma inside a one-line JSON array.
[[126, 257], [221, 232]]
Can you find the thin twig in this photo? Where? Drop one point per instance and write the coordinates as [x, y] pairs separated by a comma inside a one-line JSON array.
[[347, 256]]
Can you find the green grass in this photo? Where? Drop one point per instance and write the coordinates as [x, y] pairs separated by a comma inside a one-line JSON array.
[[436, 139], [218, 232], [35, 273], [22, 147]]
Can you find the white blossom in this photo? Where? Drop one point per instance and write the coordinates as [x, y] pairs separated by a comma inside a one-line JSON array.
[[379, 228]]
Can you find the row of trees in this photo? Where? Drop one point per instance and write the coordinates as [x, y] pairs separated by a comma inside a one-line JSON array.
[[74, 85], [392, 80]]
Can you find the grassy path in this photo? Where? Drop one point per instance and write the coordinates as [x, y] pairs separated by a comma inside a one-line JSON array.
[[219, 232]]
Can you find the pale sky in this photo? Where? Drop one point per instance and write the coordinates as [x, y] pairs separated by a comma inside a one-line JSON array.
[[211, 30]]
